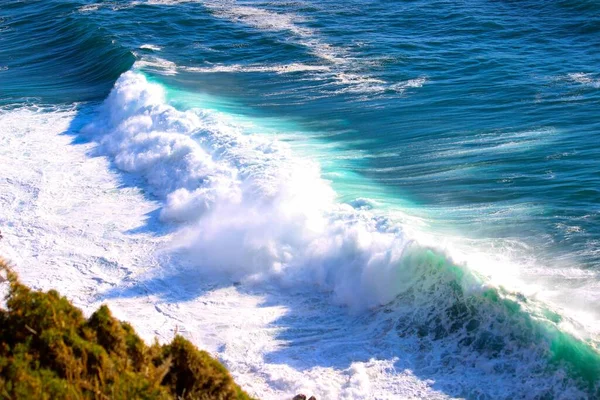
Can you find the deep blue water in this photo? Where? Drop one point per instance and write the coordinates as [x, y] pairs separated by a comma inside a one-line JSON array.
[[479, 118]]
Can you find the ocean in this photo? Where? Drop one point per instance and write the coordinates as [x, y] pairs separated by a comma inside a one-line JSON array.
[[368, 199]]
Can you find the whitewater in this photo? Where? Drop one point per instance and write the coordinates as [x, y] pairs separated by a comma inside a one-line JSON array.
[[86, 233], [327, 208]]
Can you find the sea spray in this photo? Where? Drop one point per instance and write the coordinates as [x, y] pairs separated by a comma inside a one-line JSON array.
[[250, 208]]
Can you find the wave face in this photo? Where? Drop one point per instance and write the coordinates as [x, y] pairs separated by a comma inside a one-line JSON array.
[[52, 55], [407, 193], [253, 211]]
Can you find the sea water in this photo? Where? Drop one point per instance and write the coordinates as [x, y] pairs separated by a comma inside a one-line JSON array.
[[360, 199]]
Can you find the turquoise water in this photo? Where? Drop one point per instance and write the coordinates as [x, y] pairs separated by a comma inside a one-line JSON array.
[[480, 120]]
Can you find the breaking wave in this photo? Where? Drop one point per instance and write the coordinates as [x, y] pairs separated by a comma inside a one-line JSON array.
[[250, 209]]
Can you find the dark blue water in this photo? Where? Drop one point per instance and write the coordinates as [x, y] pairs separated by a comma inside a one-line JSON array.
[[479, 119]]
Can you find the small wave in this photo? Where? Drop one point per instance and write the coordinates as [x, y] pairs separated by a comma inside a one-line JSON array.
[[157, 64], [343, 69], [289, 22], [585, 79], [113, 5], [167, 67], [279, 69], [151, 47], [261, 18], [411, 83], [89, 7]]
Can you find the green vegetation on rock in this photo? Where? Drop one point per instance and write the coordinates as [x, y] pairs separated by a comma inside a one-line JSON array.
[[48, 350]]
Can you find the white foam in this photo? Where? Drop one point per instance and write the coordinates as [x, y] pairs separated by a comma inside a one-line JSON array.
[[151, 47], [163, 66], [411, 83], [261, 18], [157, 64], [56, 205], [584, 79], [72, 224], [89, 7], [279, 69]]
